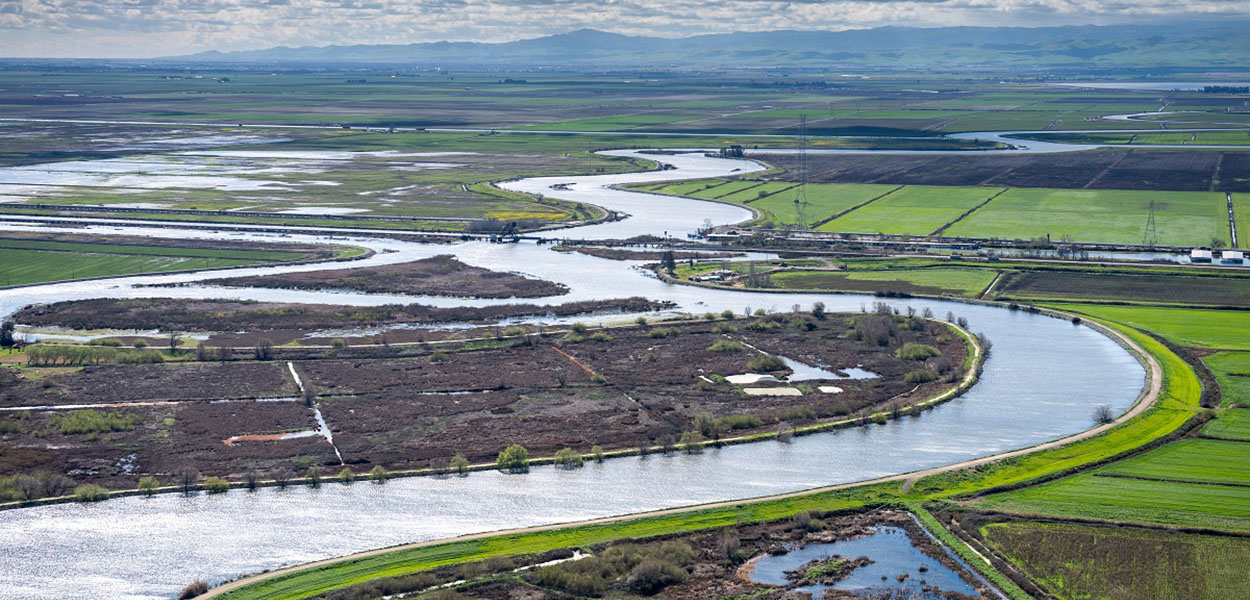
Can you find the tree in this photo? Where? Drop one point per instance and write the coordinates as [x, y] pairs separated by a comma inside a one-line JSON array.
[[691, 442], [148, 485], [174, 342], [379, 474], [459, 464], [668, 262], [263, 350], [6, 334], [187, 478], [314, 476], [568, 458], [818, 311], [1103, 415], [513, 459]]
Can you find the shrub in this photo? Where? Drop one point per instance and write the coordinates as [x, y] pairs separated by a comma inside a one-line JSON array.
[[796, 413], [193, 589], [922, 375], [514, 331], [709, 316], [726, 346], [263, 350], [513, 459], [148, 485], [93, 421], [459, 464], [338, 343], [568, 458], [1103, 415], [766, 364], [880, 419], [741, 421], [915, 351], [728, 315], [140, 344], [652, 576], [596, 451], [314, 476], [438, 357], [691, 442], [641, 320], [347, 476], [664, 332], [724, 328], [600, 336], [215, 485], [90, 492], [578, 328], [379, 474]]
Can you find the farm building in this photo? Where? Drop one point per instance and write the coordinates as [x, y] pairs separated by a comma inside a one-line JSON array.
[[1198, 255]]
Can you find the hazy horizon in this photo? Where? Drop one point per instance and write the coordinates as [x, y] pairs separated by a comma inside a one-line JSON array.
[[154, 28]]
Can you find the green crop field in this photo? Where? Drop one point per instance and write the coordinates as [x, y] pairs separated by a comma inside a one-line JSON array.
[[917, 210], [823, 201], [1080, 562], [1190, 327], [22, 267], [937, 281], [1115, 216], [1232, 371], [1241, 210], [1234, 423], [1197, 461], [1132, 500]]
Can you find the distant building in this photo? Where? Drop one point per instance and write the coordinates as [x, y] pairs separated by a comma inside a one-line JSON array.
[[1232, 257], [1198, 255]]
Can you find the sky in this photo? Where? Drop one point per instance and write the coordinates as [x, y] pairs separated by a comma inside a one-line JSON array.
[[147, 28]]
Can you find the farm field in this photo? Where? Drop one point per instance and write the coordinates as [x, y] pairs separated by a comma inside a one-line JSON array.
[[1241, 211], [1234, 423], [1197, 138], [1186, 326], [1191, 460], [1074, 561], [1105, 168], [1232, 371], [933, 281], [1232, 289], [917, 210], [1113, 216], [29, 259]]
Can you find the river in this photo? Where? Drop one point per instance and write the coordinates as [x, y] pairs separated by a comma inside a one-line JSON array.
[[1042, 382]]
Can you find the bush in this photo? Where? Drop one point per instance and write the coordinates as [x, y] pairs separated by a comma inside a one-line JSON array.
[[140, 344], [796, 413], [438, 357], [766, 364], [596, 451], [459, 464], [568, 458], [148, 485], [650, 576], [215, 485], [193, 589], [514, 331], [664, 332], [914, 351], [263, 350], [600, 336], [1103, 415], [578, 328], [922, 375], [726, 346], [724, 328], [379, 474], [314, 476], [347, 476], [93, 421], [691, 442], [741, 421], [728, 315], [90, 492], [513, 459]]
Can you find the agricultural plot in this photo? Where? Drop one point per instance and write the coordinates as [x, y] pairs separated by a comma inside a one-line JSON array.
[[934, 281], [1197, 461], [1124, 287], [916, 210], [1189, 327], [1132, 500], [823, 201], [1107, 168], [1232, 372], [1241, 212], [1075, 561], [1181, 219], [1233, 424], [23, 267]]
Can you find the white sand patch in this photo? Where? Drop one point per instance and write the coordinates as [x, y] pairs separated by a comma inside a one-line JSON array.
[[830, 389], [781, 391], [323, 210], [749, 378]]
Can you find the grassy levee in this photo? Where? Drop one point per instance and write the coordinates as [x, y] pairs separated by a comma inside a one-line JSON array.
[[308, 582], [1177, 404]]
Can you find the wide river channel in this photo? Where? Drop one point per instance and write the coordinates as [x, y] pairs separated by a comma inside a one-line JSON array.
[[1041, 382]]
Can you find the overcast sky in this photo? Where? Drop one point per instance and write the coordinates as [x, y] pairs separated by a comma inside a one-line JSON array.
[[143, 28]]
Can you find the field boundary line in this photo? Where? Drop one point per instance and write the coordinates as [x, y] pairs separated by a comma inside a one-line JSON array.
[[856, 207], [968, 213], [780, 191], [1103, 173]]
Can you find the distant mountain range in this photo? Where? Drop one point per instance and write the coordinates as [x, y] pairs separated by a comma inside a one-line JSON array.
[[1201, 44]]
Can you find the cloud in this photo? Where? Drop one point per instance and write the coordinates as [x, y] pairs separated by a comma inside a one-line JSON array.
[[140, 28]]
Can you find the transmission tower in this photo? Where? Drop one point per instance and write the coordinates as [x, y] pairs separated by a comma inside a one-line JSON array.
[[1151, 236], [800, 197]]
